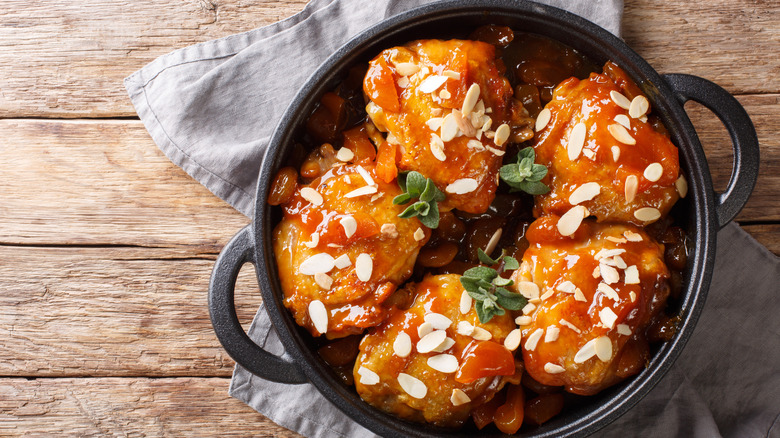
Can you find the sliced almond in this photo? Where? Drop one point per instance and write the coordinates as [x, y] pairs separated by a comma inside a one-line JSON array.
[[603, 347], [547, 294], [406, 68], [571, 326], [451, 74], [402, 346], [367, 377], [342, 261], [623, 120], [419, 234], [639, 107], [449, 128], [576, 141], [466, 302], [493, 242], [586, 352], [362, 191], [496, 152], [533, 339], [437, 148], [621, 100], [523, 320], [432, 83], [528, 289], [585, 192], [430, 341], [345, 154], [446, 345], [616, 239], [551, 368], [462, 186], [323, 280], [438, 321], [436, 112], [349, 224], [620, 133], [444, 94], [632, 275], [571, 220], [315, 240], [528, 308], [589, 154], [624, 329], [608, 291], [465, 328], [605, 253], [444, 363], [579, 296], [434, 123], [615, 153], [366, 176], [311, 195], [402, 82], [412, 386], [475, 144], [322, 262], [319, 316], [632, 236], [364, 266], [631, 187], [481, 334], [459, 397], [566, 287], [513, 339], [424, 329], [543, 119], [470, 101], [464, 125], [608, 317], [653, 172], [632, 295], [389, 230], [552, 333], [502, 134], [647, 214], [682, 186], [609, 274]]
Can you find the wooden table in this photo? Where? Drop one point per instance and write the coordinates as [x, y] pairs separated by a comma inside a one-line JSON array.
[[107, 247]]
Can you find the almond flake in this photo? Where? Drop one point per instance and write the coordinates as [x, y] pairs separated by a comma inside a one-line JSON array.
[[389, 230], [311, 195], [488, 122], [547, 294], [543, 119], [315, 240], [589, 154], [406, 68], [571, 326], [349, 224], [345, 154], [419, 234], [603, 347], [438, 321], [502, 134], [364, 266], [605, 253], [472, 96], [632, 275], [616, 239], [493, 242], [682, 186], [481, 334], [552, 368], [322, 263], [566, 287], [444, 363], [632, 184], [528, 289], [533, 339], [623, 120], [615, 153], [444, 94], [449, 127], [530, 307], [586, 352], [632, 236], [430, 341], [596, 272], [639, 107], [647, 214], [571, 220], [465, 302], [459, 397], [620, 133], [446, 345], [513, 340], [367, 377], [402, 345], [362, 191], [579, 296], [465, 328], [624, 329], [319, 316], [618, 262], [323, 280], [608, 292], [609, 274], [412, 386], [632, 295], [437, 147], [475, 144], [607, 317], [376, 196], [496, 152], [462, 186], [424, 329], [653, 172], [523, 320], [552, 334], [432, 83], [451, 74], [621, 100], [585, 192], [342, 261], [436, 111], [434, 123], [576, 141], [366, 176], [464, 125], [403, 82]]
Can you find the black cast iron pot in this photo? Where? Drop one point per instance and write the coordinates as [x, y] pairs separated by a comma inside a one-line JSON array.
[[703, 212]]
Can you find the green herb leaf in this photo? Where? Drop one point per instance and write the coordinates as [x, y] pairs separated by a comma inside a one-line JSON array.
[[481, 273], [484, 258], [511, 263], [431, 219], [524, 174], [501, 281], [510, 300], [403, 198], [533, 187], [415, 184], [486, 286], [426, 209]]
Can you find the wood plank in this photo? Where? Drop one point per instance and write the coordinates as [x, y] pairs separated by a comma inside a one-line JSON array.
[[191, 407], [112, 312], [65, 59]]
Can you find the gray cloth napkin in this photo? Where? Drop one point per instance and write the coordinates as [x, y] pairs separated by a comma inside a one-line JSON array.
[[211, 109]]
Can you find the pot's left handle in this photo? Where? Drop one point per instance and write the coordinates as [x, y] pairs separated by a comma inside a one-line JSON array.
[[237, 252]]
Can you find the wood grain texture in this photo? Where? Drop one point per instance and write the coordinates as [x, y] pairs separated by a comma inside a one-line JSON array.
[[64, 59], [112, 312], [128, 407]]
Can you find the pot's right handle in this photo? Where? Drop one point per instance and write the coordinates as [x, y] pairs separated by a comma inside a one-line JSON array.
[[743, 139], [239, 251]]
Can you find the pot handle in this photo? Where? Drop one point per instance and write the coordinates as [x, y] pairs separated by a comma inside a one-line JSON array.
[[237, 252], [743, 139]]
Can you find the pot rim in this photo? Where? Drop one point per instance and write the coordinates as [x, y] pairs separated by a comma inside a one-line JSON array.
[[701, 228]]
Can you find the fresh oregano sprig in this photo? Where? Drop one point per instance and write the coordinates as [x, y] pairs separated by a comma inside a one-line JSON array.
[[415, 185], [489, 289], [524, 174]]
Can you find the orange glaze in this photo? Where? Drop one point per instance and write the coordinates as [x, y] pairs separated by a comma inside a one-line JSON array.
[[552, 259], [483, 359], [470, 62], [588, 101], [435, 294], [351, 304]]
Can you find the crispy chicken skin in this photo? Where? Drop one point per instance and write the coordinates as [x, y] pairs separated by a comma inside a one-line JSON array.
[[417, 115], [435, 294], [604, 159], [351, 304], [582, 310]]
